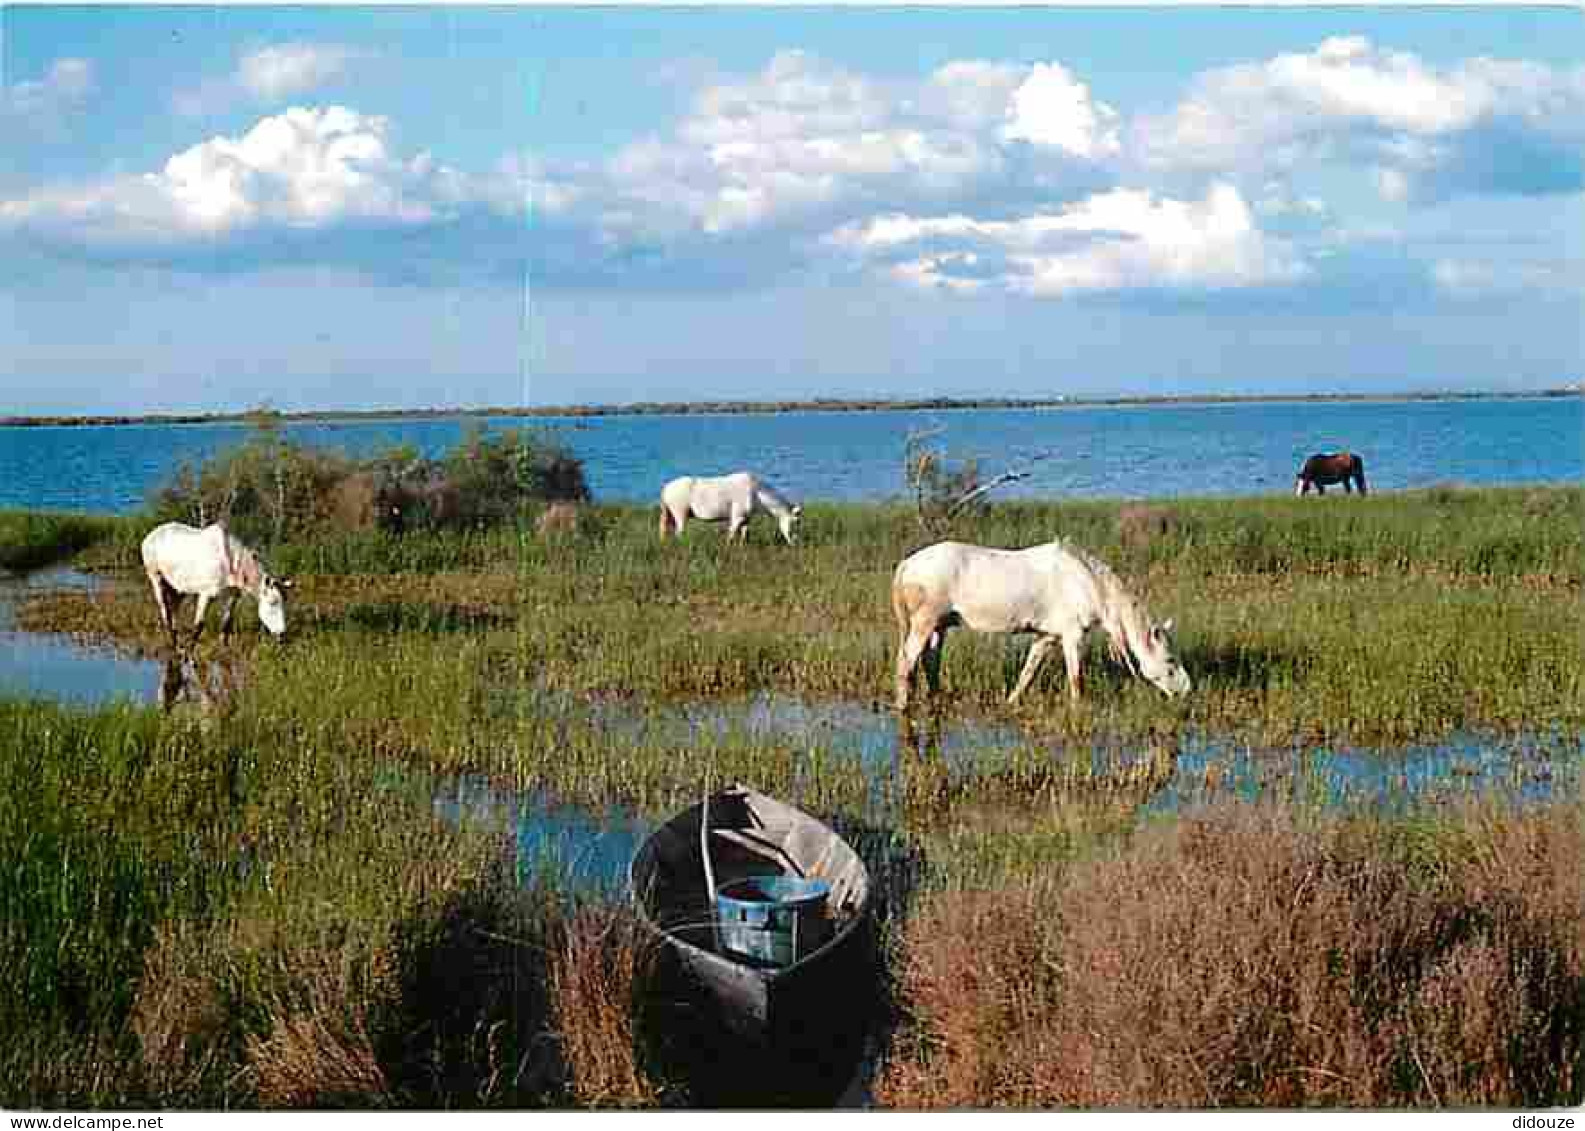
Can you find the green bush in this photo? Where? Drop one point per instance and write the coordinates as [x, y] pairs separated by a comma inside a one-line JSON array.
[[272, 490]]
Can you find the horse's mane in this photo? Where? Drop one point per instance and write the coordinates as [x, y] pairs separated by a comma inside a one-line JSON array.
[[1123, 613], [771, 496], [245, 565]]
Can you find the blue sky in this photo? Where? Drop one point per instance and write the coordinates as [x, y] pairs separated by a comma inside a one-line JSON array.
[[210, 208]]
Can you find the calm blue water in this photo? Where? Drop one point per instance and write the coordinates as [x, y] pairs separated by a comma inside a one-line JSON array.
[[48, 666], [1122, 452]]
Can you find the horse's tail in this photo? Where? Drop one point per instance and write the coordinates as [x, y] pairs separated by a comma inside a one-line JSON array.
[[905, 600], [1359, 474], [899, 604]]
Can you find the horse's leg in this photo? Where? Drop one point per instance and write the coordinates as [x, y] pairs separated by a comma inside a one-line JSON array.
[[1072, 656], [908, 653], [1320, 488], [198, 617], [225, 618], [1037, 654], [158, 584], [932, 659]]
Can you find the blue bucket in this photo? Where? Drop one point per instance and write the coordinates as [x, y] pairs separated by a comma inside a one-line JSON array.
[[772, 920]]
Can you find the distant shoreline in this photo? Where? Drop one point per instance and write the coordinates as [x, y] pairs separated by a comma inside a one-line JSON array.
[[753, 408]]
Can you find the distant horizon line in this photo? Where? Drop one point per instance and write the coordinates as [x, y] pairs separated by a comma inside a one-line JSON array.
[[267, 414]]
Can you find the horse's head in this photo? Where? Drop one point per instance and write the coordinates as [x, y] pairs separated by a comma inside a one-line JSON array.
[[1156, 662], [789, 523], [272, 603]]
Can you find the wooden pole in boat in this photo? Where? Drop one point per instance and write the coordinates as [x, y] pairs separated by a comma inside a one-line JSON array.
[[709, 870]]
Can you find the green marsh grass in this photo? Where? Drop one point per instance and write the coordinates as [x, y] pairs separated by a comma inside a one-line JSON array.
[[1384, 619], [259, 915], [31, 539], [264, 912]]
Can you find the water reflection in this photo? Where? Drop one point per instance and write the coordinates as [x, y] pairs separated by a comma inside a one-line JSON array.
[[586, 849], [1170, 772], [209, 686], [49, 666]]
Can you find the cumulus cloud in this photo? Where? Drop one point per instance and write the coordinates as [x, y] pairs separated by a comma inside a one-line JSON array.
[[269, 74], [310, 183], [978, 176], [66, 86], [770, 163], [1481, 126], [1051, 107], [303, 168], [288, 69], [1120, 240]]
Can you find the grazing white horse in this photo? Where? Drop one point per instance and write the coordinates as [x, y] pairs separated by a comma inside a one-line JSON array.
[[181, 559], [731, 497], [1055, 590]]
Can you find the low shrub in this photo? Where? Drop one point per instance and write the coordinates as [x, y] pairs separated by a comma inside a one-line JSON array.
[[1247, 958], [270, 489]]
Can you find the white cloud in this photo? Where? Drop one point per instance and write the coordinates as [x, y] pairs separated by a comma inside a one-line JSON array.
[[268, 74], [978, 176], [804, 146], [67, 85], [308, 168], [1481, 126], [288, 69], [1051, 107], [1114, 241], [1472, 279], [795, 96]]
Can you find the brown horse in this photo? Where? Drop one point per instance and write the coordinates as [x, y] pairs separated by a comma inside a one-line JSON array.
[[1325, 468]]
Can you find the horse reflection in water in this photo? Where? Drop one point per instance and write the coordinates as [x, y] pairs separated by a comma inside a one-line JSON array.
[[210, 686], [1125, 776]]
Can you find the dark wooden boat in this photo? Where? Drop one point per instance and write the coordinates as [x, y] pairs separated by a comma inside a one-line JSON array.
[[811, 1013]]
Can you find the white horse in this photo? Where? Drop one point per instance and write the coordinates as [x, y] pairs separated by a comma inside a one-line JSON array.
[[1056, 591], [731, 497], [181, 559]]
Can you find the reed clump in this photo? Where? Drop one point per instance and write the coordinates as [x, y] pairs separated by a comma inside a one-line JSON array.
[[32, 539], [1246, 957], [598, 972]]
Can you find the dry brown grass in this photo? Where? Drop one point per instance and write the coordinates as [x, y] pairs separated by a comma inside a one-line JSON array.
[[1244, 958], [557, 519], [975, 983], [353, 503], [178, 1015], [319, 1049], [594, 976], [1139, 524]]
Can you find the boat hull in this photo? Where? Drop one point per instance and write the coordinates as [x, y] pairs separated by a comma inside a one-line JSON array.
[[748, 1034]]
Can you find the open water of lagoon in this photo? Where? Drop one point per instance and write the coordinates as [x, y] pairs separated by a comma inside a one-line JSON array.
[[1117, 452]]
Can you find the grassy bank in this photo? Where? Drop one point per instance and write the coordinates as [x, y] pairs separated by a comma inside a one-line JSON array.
[[1390, 619], [259, 904], [272, 913], [32, 539], [263, 918]]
